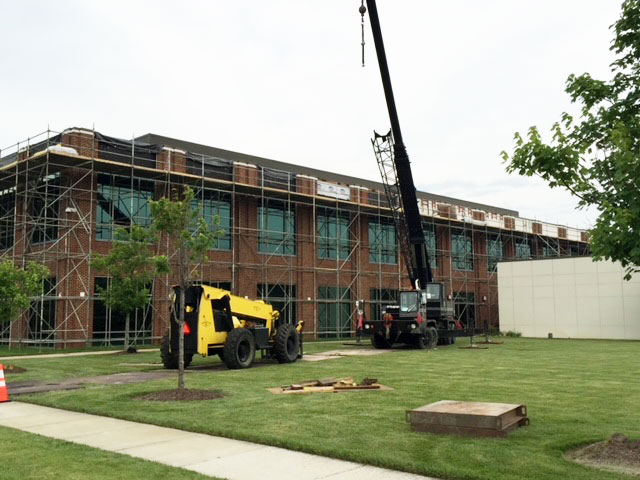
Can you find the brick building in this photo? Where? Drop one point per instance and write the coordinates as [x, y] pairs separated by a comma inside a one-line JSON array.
[[308, 241]]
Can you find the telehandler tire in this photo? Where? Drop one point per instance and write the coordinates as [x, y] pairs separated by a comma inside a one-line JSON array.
[[239, 349], [287, 344], [169, 358]]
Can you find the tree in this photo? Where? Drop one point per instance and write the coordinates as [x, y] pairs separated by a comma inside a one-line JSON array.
[[132, 268], [597, 156], [18, 286], [190, 237]]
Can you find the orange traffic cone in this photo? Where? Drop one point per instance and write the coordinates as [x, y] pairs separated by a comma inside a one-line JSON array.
[[4, 392]]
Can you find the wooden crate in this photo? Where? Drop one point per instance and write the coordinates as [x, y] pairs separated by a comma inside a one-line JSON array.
[[468, 418]]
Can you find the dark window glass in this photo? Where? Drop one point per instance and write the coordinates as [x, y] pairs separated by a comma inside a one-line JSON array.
[[523, 249], [333, 235], [7, 218], [380, 298], [465, 308], [121, 201], [216, 210], [334, 312], [221, 285], [550, 251], [462, 251], [44, 209], [109, 326], [282, 297], [431, 243], [494, 253], [277, 226], [42, 315], [382, 242]]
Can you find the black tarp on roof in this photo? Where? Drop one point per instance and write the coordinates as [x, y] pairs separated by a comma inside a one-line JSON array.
[[134, 152]]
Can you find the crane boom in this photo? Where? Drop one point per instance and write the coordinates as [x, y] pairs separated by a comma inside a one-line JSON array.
[[419, 268]]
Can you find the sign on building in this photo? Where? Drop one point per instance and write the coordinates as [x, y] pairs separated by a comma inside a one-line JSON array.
[[332, 190]]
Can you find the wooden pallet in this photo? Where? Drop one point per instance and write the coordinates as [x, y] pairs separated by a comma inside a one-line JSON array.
[[468, 418]]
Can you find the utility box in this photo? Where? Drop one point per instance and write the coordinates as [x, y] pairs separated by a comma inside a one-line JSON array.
[[468, 418]]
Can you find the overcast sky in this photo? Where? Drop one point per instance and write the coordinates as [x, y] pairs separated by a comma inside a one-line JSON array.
[[282, 79]]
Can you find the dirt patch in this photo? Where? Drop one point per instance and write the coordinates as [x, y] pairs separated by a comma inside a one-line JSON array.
[[618, 454], [184, 395], [14, 369]]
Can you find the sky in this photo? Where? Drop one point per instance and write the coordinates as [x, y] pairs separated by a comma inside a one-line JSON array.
[[282, 79]]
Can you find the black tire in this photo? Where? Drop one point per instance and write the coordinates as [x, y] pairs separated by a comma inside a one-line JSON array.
[[381, 343], [431, 338], [287, 344], [240, 349], [421, 341], [169, 358]]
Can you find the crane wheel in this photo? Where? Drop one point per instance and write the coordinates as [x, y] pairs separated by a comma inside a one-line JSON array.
[[287, 344], [428, 340], [432, 337], [169, 358], [239, 349], [379, 342]]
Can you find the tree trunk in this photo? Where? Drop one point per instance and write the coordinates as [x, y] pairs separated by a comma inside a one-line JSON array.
[[181, 341], [126, 331]]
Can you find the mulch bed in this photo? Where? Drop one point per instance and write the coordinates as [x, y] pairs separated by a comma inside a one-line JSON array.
[[185, 395], [617, 454], [14, 369]]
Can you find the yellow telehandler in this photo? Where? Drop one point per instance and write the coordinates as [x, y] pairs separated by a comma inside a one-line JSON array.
[[219, 323]]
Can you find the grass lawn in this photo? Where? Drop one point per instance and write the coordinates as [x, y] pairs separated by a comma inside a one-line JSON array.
[[55, 459], [577, 392]]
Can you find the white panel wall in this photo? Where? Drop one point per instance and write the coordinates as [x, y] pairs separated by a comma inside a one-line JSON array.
[[570, 298]]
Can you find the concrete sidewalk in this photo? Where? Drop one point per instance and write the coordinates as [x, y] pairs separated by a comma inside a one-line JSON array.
[[205, 454], [72, 354]]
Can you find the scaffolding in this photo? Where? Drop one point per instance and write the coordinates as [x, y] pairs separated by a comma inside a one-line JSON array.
[[302, 240]]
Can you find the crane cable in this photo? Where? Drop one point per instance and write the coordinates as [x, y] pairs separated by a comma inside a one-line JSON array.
[[362, 11]]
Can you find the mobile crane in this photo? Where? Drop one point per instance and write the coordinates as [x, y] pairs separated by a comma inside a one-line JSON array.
[[424, 313]]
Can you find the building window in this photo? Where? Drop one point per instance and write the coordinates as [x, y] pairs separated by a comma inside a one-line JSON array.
[[109, 326], [282, 298], [7, 218], [382, 242], [465, 308], [462, 251], [333, 235], [277, 226], [221, 285], [42, 316], [549, 251], [494, 253], [431, 243], [44, 209], [523, 250], [216, 210], [380, 298], [122, 201], [334, 312]]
